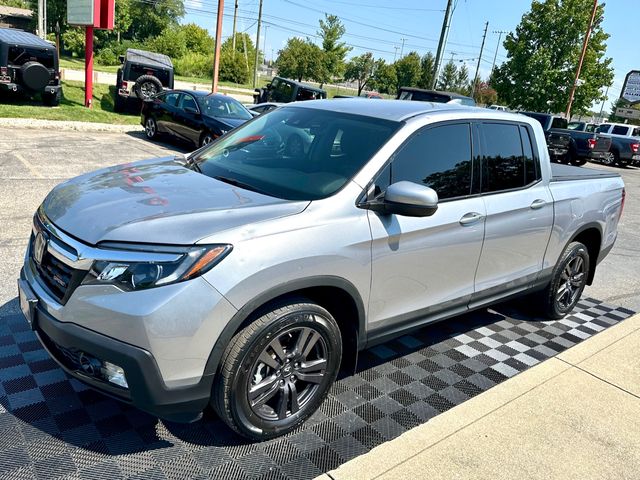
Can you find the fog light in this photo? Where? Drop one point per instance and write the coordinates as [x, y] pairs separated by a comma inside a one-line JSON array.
[[114, 374]]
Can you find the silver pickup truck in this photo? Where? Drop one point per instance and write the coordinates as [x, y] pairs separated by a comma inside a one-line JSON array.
[[245, 275]]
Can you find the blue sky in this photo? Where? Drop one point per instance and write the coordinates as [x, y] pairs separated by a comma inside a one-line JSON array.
[[381, 25]]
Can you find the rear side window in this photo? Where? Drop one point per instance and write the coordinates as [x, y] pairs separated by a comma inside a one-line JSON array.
[[620, 130], [559, 122], [438, 157], [604, 128], [172, 99], [636, 132], [507, 163]]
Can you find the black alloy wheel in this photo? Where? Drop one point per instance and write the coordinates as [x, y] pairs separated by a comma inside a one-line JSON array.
[[276, 372]]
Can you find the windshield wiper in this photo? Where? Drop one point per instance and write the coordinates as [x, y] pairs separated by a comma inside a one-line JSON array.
[[237, 183]]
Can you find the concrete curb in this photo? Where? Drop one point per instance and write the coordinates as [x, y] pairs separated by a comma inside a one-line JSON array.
[[38, 124], [402, 457]]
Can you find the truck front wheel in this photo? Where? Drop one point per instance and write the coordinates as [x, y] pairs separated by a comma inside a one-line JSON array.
[[567, 281], [276, 372]]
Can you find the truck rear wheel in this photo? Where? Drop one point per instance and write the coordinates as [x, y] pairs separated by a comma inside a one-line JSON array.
[[276, 372], [567, 281]]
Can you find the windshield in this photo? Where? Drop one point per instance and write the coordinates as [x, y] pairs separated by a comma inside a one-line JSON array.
[[295, 153], [541, 118], [223, 107], [576, 126]]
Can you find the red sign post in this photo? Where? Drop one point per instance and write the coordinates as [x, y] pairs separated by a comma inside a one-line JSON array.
[[90, 14]]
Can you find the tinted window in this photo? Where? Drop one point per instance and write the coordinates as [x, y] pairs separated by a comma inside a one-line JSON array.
[[439, 158], [172, 99], [619, 130], [604, 128], [559, 122], [531, 165], [636, 132], [223, 107], [590, 127], [188, 102], [504, 165]]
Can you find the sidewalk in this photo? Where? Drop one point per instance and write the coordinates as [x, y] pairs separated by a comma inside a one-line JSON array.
[[575, 416]]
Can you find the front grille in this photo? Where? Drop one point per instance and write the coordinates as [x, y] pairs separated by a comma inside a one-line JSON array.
[[58, 278]]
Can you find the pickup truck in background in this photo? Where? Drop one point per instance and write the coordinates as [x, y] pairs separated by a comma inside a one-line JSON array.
[[625, 143], [582, 126], [263, 270], [570, 145]]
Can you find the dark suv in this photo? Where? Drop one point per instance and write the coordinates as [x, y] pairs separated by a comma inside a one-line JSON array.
[[283, 90], [29, 65], [142, 75]]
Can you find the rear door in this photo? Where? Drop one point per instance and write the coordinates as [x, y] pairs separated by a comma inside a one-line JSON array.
[[165, 112], [519, 209], [188, 118]]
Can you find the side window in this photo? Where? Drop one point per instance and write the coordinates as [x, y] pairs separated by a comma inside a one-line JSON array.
[[559, 122], [438, 157], [604, 128], [172, 99], [188, 102], [620, 130], [636, 132], [504, 164], [531, 162]]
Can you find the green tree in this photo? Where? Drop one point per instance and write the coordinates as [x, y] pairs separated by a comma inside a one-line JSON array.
[[448, 77], [172, 42], [151, 17], [361, 69], [301, 60], [197, 39], [385, 79], [245, 49], [427, 64], [408, 71], [462, 80], [15, 3], [543, 54], [331, 31]]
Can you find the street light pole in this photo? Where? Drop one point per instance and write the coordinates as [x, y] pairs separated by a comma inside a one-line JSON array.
[[584, 51]]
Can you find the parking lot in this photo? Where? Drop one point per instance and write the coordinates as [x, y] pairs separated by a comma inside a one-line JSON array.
[[54, 427]]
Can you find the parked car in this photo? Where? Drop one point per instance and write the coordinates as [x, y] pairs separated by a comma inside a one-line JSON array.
[[194, 116], [244, 275], [500, 108], [283, 90], [29, 65], [570, 145], [422, 95], [625, 142], [261, 108], [142, 76], [582, 126]]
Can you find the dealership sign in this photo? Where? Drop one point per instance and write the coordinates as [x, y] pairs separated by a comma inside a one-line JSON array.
[[631, 87], [80, 12]]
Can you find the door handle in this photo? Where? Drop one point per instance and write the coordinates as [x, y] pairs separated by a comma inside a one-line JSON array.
[[471, 218], [538, 204]]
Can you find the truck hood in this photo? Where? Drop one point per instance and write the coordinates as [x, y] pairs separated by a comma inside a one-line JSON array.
[[156, 201]]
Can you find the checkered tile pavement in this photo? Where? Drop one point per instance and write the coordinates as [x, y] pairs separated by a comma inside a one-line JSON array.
[[52, 426]]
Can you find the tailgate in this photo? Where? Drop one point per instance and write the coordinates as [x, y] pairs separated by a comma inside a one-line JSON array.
[[603, 144], [558, 140]]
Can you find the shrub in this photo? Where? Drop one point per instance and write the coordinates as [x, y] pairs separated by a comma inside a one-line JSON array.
[[194, 65], [73, 41], [233, 68]]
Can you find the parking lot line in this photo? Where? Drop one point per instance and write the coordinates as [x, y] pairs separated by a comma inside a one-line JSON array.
[[28, 166]]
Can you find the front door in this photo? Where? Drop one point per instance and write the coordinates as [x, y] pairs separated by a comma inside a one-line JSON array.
[[423, 266]]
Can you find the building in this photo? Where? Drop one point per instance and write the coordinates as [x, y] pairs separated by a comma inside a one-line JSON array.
[[11, 17]]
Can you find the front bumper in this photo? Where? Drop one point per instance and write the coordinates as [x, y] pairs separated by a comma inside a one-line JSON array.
[[146, 388]]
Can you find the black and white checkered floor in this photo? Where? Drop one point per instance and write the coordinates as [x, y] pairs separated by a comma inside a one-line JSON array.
[[54, 427]]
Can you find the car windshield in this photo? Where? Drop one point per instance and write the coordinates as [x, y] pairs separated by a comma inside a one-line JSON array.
[[575, 126], [222, 107], [295, 153]]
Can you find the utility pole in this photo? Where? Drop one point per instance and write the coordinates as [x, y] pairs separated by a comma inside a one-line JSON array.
[[255, 66], [395, 53], [264, 44], [44, 19], [440, 51], [584, 51], [495, 56], [233, 36], [216, 54], [475, 78], [402, 47], [40, 18], [606, 94]]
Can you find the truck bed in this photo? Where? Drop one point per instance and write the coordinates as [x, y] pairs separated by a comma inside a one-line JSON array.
[[565, 173]]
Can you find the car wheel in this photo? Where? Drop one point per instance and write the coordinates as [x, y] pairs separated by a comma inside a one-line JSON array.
[[206, 139], [51, 99], [277, 371], [578, 162], [151, 128], [567, 281]]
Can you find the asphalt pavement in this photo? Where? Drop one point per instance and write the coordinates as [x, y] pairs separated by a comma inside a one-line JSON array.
[[32, 162]]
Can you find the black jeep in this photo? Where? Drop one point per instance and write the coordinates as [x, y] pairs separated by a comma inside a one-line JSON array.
[[29, 65], [283, 90], [142, 75]]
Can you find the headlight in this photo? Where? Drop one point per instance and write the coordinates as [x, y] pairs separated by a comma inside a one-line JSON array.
[[148, 273]]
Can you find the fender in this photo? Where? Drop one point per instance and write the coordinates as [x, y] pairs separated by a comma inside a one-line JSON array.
[[245, 312]]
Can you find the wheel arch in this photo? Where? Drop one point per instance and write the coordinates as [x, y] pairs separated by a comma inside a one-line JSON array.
[[339, 296], [590, 236]]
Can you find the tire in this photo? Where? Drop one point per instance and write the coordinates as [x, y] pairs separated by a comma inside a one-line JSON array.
[[35, 76], [578, 162], [206, 138], [119, 104], [609, 158], [271, 353], [567, 281], [51, 99], [151, 128], [147, 86]]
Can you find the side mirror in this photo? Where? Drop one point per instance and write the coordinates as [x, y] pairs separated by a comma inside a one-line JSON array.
[[191, 110], [406, 198], [121, 58]]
